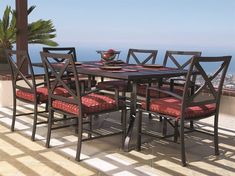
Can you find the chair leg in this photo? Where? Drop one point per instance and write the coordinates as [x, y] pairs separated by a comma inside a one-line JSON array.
[[182, 145], [49, 126], [164, 129], [216, 140], [96, 117], [35, 120], [123, 94], [123, 122], [90, 125], [79, 144], [139, 130], [76, 126], [176, 132], [191, 125], [46, 106], [13, 115]]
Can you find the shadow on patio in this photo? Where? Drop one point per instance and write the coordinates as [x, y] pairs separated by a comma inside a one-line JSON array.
[[20, 156]]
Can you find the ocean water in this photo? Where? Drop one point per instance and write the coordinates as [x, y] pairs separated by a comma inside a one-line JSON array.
[[90, 54]]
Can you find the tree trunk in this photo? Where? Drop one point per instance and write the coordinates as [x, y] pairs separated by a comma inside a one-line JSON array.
[[4, 66]]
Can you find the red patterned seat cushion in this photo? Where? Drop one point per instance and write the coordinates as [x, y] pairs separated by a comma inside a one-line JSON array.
[[141, 91], [91, 103], [42, 92], [171, 106], [110, 85]]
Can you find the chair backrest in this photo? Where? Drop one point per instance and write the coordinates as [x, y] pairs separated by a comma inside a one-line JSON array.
[[56, 74], [21, 80], [210, 84], [61, 50], [142, 56], [179, 59]]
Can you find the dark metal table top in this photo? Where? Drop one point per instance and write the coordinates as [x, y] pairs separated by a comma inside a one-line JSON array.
[[128, 72]]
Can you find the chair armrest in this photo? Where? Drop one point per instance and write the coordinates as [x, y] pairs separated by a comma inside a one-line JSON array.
[[148, 98], [90, 91], [41, 83], [178, 79], [172, 81], [35, 75], [163, 91], [97, 90]]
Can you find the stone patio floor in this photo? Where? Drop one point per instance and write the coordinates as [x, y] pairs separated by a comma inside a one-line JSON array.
[[21, 156]]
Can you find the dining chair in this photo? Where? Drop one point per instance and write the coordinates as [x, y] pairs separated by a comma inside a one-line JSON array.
[[62, 50], [134, 56], [175, 59], [26, 89], [86, 82], [78, 104], [180, 109]]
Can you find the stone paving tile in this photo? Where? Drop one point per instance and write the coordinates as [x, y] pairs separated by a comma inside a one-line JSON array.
[[21, 156]]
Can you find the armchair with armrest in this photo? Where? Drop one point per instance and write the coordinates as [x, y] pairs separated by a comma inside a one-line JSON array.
[[179, 109], [176, 59], [81, 105], [86, 83], [26, 89]]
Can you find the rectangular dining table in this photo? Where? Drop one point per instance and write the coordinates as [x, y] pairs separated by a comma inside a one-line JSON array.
[[134, 74]]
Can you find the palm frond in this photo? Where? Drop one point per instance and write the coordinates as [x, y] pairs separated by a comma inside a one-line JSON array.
[[6, 18], [5, 31], [40, 31], [31, 8], [44, 42]]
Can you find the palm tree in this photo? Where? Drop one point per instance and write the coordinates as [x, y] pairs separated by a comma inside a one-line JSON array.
[[40, 31]]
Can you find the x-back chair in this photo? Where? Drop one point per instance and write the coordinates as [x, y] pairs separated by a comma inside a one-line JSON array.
[[148, 56], [203, 103], [136, 56], [25, 87], [78, 104], [85, 82], [62, 50], [180, 60], [175, 59]]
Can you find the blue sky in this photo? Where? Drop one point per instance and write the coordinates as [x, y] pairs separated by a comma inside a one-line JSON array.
[[204, 25]]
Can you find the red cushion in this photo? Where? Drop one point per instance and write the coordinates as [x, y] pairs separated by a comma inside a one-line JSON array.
[[171, 106], [141, 91], [91, 103], [42, 92], [110, 85]]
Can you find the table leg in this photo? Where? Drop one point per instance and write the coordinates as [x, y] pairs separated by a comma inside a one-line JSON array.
[[132, 116], [89, 82]]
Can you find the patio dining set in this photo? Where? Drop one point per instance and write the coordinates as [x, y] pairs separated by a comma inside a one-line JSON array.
[[78, 92]]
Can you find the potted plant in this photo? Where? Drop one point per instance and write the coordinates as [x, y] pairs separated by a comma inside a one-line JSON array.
[[39, 32]]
